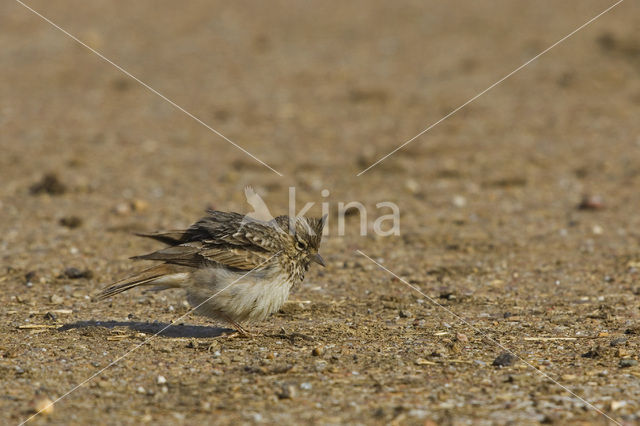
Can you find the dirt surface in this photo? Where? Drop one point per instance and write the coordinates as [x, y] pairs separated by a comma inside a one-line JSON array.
[[491, 225]]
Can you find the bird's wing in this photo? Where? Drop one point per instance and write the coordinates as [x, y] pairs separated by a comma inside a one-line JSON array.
[[225, 228], [222, 238], [236, 229], [199, 254], [239, 258], [184, 254]]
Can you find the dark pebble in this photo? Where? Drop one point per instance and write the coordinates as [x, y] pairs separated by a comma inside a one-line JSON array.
[[29, 276], [71, 222], [50, 316], [351, 211], [592, 353], [619, 341], [49, 184], [591, 202], [75, 273], [505, 359], [287, 392], [379, 413], [550, 419], [447, 295], [607, 41], [625, 363]]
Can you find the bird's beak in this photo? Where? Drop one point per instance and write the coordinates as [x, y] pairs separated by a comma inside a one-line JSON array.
[[318, 259]]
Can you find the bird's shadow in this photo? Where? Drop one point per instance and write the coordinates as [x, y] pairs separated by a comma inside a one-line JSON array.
[[154, 328]]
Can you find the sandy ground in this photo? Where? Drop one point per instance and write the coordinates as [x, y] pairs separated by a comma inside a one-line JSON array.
[[491, 228]]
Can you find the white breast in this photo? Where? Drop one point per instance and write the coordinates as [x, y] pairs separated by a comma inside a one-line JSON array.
[[241, 299]]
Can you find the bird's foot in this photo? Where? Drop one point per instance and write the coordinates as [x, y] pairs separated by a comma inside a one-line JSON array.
[[238, 334], [240, 330]]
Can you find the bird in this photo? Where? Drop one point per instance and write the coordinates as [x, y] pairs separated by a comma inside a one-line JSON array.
[[234, 269]]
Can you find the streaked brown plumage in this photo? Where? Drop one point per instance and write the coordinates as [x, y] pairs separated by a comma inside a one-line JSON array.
[[234, 269]]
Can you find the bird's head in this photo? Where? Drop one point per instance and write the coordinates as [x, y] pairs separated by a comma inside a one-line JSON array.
[[302, 242]]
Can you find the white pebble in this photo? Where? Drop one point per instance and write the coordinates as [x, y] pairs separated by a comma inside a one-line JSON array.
[[43, 405], [459, 201]]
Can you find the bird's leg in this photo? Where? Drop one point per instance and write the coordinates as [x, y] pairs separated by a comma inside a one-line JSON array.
[[240, 331]]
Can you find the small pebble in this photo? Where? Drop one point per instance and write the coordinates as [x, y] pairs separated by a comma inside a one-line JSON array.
[[320, 366], [75, 273], [161, 380], [505, 359], [616, 405], [317, 351], [625, 363], [49, 184], [29, 277], [592, 353], [139, 205], [122, 209], [619, 341], [71, 222], [633, 330], [622, 353], [447, 295], [288, 392], [141, 390], [591, 202], [42, 405], [459, 201], [55, 299], [412, 186]]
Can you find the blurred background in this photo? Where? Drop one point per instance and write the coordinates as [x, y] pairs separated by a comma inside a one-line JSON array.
[[529, 195]]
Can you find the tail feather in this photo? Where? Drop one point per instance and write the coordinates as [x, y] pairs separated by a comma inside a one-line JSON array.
[[170, 253], [164, 275], [169, 237]]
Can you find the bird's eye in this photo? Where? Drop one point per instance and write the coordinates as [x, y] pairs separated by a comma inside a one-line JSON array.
[[301, 245]]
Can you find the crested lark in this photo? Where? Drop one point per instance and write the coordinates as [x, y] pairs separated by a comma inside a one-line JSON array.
[[234, 269]]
